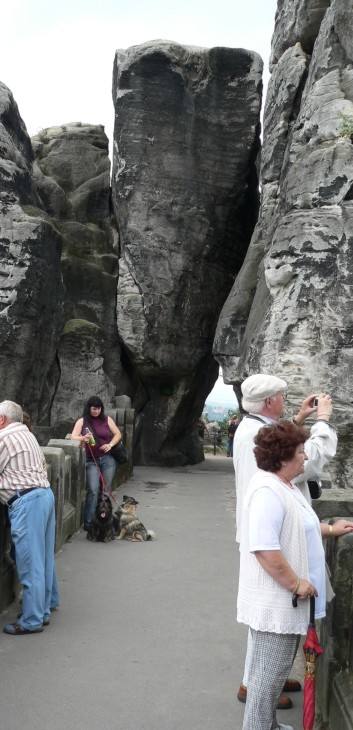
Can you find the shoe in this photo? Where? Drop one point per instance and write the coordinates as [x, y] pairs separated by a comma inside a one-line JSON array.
[[284, 703], [46, 621], [242, 693], [18, 630], [292, 685], [285, 727]]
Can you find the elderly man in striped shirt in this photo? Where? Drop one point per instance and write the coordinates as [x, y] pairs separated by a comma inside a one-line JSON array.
[[25, 489]]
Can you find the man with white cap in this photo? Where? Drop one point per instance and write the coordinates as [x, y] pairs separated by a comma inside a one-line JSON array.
[[263, 399]]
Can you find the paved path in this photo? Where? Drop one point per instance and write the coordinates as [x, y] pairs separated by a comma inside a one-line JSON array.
[[146, 636]]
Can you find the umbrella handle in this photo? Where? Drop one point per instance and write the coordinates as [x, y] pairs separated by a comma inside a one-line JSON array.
[[312, 610], [312, 606]]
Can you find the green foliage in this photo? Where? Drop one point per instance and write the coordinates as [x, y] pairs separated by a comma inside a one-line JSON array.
[[82, 328], [346, 126], [225, 423]]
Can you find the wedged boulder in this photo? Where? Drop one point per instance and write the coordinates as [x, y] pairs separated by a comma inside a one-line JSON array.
[[185, 195]]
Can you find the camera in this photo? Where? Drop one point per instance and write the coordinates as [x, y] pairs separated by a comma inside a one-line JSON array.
[[315, 402]]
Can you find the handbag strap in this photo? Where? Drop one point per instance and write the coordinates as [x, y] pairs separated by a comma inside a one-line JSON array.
[[121, 440], [104, 484]]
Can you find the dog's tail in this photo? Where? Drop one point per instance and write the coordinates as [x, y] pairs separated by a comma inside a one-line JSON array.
[[151, 535]]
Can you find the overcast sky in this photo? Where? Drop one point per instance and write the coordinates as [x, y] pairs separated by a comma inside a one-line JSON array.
[[57, 57], [223, 394]]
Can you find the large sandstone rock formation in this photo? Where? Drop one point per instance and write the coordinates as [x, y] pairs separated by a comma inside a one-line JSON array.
[[72, 176], [289, 310], [127, 302], [31, 288], [59, 341], [185, 197]]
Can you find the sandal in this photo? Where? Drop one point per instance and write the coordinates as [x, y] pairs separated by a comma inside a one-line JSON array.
[[18, 630]]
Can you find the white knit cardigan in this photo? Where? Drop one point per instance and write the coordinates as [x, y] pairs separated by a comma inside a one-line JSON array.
[[262, 603]]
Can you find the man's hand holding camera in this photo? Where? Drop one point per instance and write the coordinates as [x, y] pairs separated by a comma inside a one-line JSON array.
[[319, 403]]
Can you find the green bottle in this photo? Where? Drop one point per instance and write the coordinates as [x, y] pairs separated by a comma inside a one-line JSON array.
[[91, 440]]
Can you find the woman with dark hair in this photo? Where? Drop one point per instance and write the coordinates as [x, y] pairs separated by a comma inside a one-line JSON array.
[[281, 554], [95, 426]]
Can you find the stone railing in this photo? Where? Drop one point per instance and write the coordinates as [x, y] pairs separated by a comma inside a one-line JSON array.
[[67, 475], [335, 666]]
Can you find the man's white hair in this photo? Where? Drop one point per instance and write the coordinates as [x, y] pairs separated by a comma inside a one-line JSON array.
[[11, 410], [252, 406]]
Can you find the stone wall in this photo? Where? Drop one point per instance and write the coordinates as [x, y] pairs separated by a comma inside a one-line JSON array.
[[67, 475], [335, 666]]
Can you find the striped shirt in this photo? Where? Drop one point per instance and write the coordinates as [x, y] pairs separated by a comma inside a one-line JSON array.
[[21, 461]]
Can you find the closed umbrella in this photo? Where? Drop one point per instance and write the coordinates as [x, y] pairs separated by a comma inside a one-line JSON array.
[[312, 650]]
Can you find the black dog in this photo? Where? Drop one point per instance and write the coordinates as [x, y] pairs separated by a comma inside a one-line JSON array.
[[101, 528], [119, 511]]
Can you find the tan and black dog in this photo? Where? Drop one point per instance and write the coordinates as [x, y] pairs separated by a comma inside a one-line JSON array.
[[130, 526], [119, 511]]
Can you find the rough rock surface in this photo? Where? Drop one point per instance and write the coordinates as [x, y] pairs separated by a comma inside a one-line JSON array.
[[296, 22], [31, 289], [72, 175], [89, 306], [289, 311], [185, 197]]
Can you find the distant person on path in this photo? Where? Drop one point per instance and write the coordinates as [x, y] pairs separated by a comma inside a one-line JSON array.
[[263, 398], [281, 554], [232, 427], [25, 489], [94, 425], [201, 428]]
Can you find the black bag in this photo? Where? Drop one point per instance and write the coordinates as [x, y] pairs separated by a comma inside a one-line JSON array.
[[119, 453], [315, 488]]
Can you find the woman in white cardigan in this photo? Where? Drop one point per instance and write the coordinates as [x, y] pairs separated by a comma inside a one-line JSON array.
[[281, 553]]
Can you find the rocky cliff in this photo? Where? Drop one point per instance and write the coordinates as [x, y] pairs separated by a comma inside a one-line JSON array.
[[59, 255], [31, 288], [72, 177], [115, 287], [289, 310]]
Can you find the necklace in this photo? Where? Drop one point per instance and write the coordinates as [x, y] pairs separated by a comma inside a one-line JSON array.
[[285, 481]]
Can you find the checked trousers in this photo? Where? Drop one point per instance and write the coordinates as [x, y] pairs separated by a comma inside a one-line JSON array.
[[271, 661]]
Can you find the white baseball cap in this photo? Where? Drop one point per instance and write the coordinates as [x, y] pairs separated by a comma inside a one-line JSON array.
[[261, 386]]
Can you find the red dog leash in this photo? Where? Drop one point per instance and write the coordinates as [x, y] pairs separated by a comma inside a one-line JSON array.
[[105, 487]]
